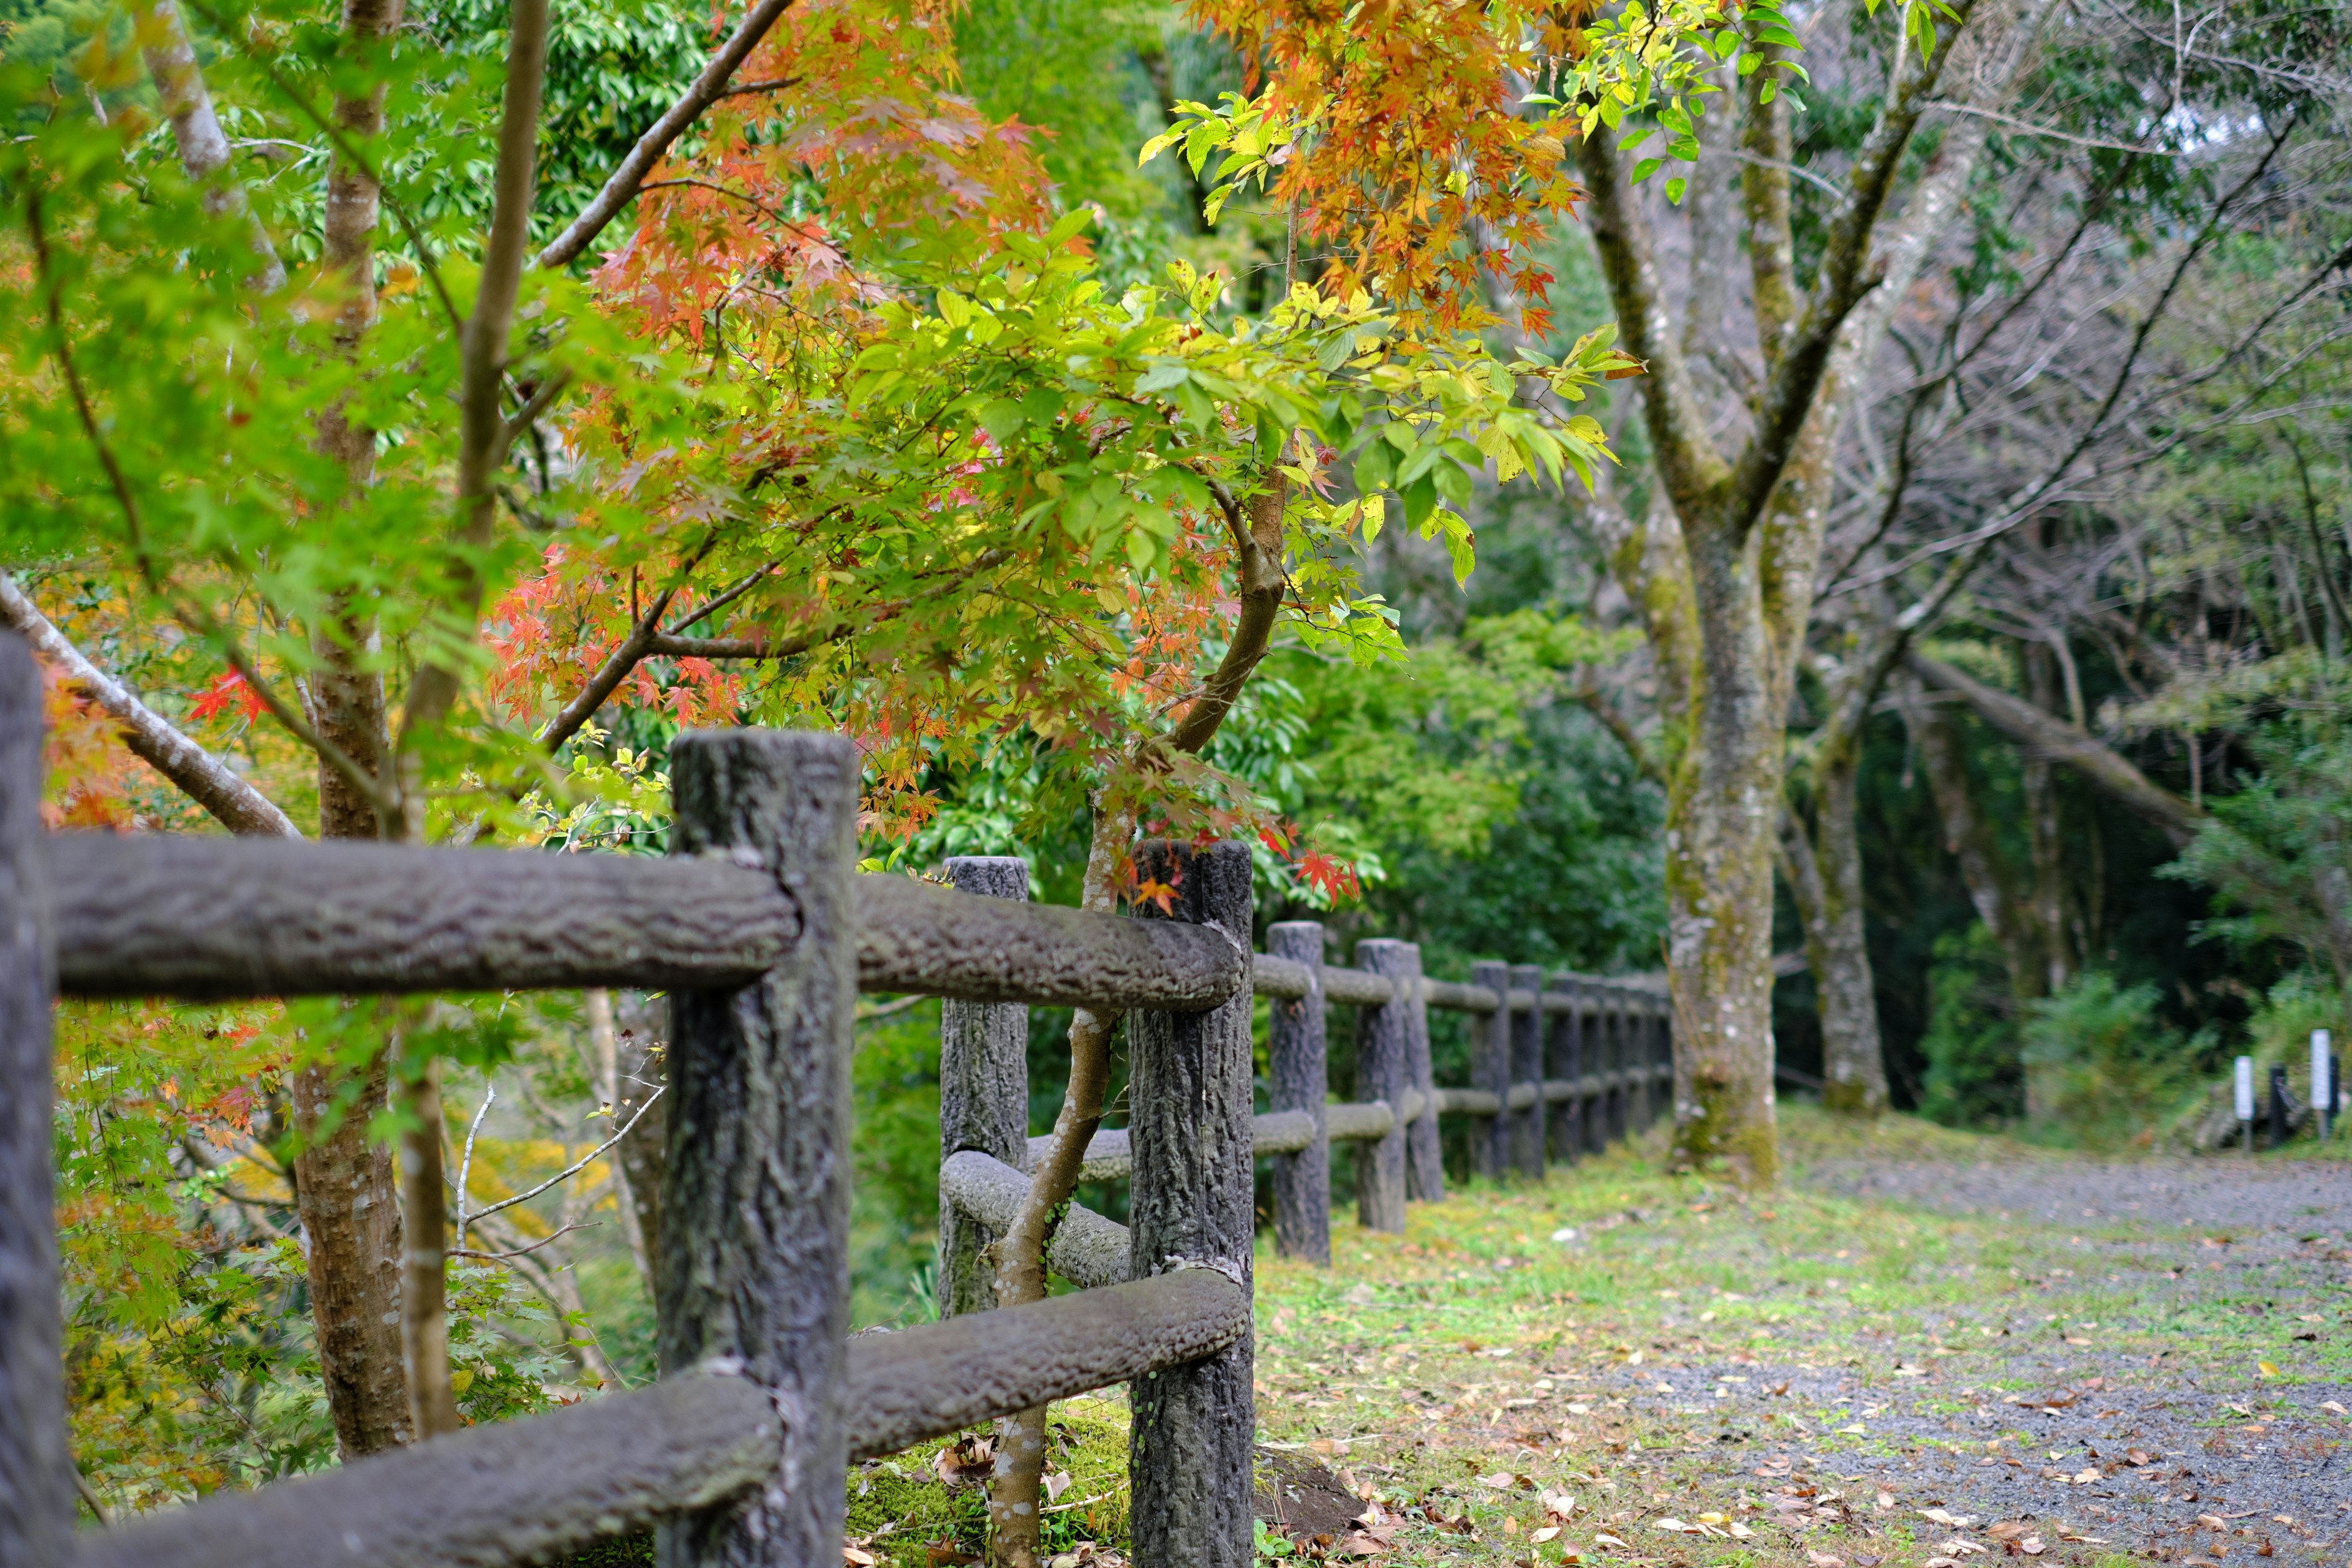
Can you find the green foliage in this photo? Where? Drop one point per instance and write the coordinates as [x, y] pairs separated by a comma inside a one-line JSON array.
[[2102, 1071], [2279, 851], [894, 1226], [1974, 1077], [1072, 69]]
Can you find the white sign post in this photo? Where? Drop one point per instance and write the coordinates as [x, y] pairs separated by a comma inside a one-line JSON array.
[[2246, 1100], [2322, 1080]]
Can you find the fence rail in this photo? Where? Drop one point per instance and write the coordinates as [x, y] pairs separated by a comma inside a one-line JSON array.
[[760, 930]]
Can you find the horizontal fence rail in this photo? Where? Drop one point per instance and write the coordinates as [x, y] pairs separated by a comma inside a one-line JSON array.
[[761, 933], [211, 919], [526, 1490]]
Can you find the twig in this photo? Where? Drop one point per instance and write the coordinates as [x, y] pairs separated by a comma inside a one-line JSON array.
[[466, 1165], [577, 1166], [624, 182], [519, 1251]]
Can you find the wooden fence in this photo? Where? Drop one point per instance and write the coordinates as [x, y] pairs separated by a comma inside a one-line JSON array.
[[761, 931]]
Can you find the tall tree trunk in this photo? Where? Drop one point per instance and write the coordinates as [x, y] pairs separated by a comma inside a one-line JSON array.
[[345, 1180], [1722, 810], [1824, 874], [350, 1224], [2052, 906]]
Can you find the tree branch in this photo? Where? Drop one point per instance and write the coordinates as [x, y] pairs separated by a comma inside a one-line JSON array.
[[1844, 277], [1686, 455], [2051, 736], [203, 777], [482, 427], [1764, 187], [1257, 549], [622, 186], [196, 129]]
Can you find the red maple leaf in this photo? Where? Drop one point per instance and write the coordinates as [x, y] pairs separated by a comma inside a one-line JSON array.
[[229, 691]]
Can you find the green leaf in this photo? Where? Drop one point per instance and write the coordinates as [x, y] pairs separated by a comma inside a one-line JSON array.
[[1374, 467], [1647, 167], [1674, 189]]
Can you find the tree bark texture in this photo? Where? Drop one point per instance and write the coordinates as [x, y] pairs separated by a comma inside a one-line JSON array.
[[37, 1475], [1190, 1447], [424, 1264], [983, 1096], [754, 1242], [1424, 1153], [350, 1230], [1824, 875], [642, 1063], [1297, 1063]]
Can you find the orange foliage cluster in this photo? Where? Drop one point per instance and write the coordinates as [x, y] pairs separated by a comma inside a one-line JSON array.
[[88, 769], [864, 138], [1422, 171], [551, 634]]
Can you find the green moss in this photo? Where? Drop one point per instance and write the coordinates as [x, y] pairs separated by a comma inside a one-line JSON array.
[[903, 1506]]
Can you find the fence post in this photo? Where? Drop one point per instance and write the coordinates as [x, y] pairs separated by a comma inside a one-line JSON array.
[[1613, 1062], [983, 1095], [1661, 1031], [36, 1497], [1384, 1054], [1190, 1443], [1526, 1067], [1300, 1080], [1490, 1069], [1424, 1153], [1564, 1060], [755, 1237]]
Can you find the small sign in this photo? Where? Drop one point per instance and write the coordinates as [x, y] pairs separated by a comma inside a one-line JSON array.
[[2245, 1089], [2323, 1090]]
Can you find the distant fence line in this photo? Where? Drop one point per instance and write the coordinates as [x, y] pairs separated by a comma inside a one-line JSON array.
[[763, 934]]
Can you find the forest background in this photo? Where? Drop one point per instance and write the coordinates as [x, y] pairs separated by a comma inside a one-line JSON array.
[[2169, 618]]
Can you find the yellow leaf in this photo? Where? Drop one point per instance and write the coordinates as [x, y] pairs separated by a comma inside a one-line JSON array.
[[2267, 1369]]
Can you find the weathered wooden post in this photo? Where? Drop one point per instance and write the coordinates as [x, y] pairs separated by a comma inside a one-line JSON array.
[[755, 1263], [1424, 1153], [1613, 1062], [1490, 1069], [983, 1095], [1662, 1057], [1527, 1072], [1564, 1061], [1295, 1062], [1383, 1053], [36, 1494], [1190, 1443], [1637, 1025]]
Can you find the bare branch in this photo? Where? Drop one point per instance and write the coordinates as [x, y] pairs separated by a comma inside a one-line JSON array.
[[2047, 734], [572, 1170], [624, 182], [203, 777]]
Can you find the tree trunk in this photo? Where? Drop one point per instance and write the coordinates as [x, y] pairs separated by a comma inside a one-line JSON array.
[[1723, 809], [643, 1063], [1992, 887], [350, 1223], [1824, 874]]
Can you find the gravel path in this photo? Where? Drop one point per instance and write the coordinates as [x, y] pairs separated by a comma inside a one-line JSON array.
[[2125, 1450]]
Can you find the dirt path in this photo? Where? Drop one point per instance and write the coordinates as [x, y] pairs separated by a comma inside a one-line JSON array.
[[1925, 1346]]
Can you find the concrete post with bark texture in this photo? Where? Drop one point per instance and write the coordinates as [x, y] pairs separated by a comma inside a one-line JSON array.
[[1527, 1072], [983, 1095], [1384, 1056], [1295, 1054], [1563, 1060], [1424, 1153], [754, 1262], [1189, 1447], [36, 1494], [1490, 1069], [1662, 1054], [1611, 1037]]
